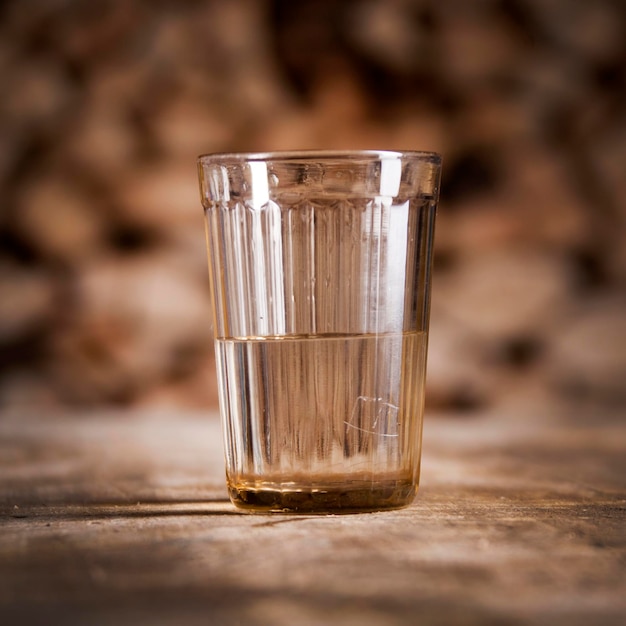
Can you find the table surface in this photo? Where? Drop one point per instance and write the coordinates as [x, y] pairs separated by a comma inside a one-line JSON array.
[[112, 518]]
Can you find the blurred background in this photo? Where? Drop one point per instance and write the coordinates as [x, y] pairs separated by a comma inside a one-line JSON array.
[[105, 105]]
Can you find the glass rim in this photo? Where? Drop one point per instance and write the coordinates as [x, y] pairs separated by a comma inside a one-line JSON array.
[[323, 155]]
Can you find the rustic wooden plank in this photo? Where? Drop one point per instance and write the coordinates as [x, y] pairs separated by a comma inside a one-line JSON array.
[[108, 518]]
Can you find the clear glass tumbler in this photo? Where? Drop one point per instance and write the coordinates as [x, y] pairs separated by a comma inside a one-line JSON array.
[[320, 266]]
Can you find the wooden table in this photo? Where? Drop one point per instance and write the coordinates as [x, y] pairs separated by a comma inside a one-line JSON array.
[[123, 518]]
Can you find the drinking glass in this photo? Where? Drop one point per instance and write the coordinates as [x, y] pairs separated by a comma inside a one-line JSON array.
[[320, 268]]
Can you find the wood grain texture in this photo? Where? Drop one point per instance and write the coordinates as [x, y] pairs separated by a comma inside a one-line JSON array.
[[120, 518]]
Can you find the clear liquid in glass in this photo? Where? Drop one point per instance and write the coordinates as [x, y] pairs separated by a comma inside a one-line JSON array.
[[322, 423]]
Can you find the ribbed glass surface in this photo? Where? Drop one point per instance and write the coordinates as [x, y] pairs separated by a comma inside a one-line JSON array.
[[320, 284]]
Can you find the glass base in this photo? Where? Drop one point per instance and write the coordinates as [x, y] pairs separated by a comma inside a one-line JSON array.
[[348, 496]]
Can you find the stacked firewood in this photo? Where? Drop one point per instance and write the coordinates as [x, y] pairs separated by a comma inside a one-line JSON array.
[[103, 286]]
